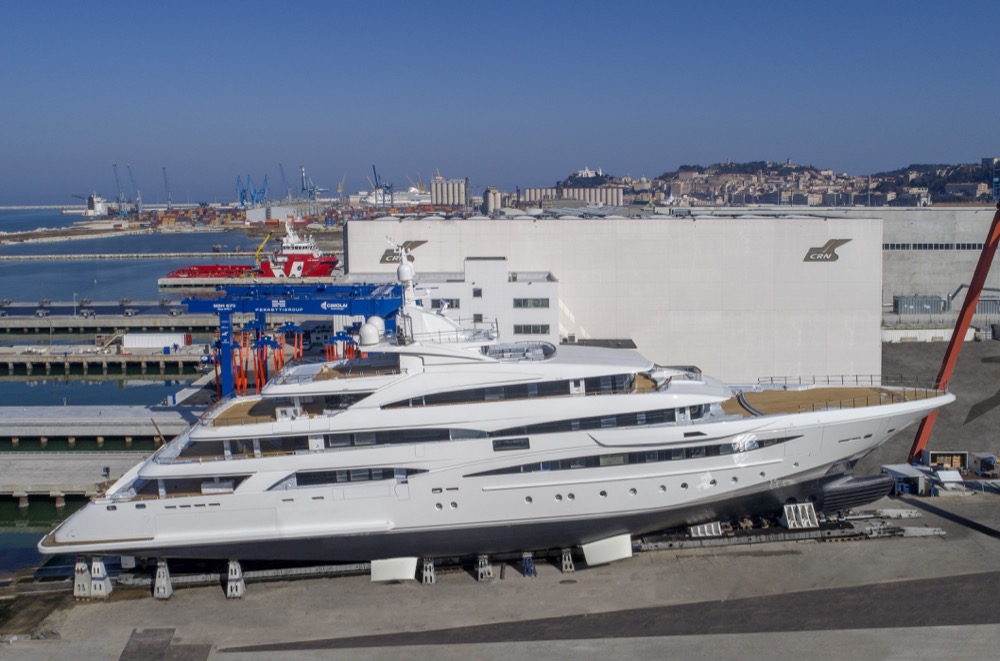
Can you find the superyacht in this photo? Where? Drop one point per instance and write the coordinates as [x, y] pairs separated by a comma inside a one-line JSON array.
[[435, 440]]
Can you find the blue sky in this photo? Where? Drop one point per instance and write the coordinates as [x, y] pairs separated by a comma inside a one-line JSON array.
[[506, 93]]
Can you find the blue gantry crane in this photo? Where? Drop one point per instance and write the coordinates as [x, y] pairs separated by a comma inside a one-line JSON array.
[[310, 190], [284, 180], [315, 300], [249, 195], [135, 190], [382, 189], [121, 193], [166, 186]]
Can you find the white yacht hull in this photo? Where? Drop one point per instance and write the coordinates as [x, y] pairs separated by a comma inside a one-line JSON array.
[[454, 509]]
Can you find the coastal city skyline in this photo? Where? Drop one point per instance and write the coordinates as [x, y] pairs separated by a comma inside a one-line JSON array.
[[516, 96]]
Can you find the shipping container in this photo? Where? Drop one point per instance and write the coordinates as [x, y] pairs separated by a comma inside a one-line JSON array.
[[155, 340]]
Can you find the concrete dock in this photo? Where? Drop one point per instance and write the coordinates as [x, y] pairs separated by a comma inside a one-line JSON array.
[[904, 598], [58, 475], [92, 422]]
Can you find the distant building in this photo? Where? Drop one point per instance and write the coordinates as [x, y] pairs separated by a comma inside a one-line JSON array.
[[970, 189], [451, 192], [612, 196]]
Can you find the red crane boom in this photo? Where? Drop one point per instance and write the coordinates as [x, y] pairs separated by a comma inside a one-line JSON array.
[[961, 327]]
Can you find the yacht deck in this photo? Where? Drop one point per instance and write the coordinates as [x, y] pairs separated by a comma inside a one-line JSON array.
[[773, 402]]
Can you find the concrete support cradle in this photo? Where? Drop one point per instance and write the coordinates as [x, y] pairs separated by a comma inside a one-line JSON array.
[[100, 584], [427, 575], [162, 588], [485, 569], [81, 579], [235, 586], [567, 562], [528, 565]]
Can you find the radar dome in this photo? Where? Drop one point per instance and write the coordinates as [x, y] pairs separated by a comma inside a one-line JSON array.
[[368, 335], [377, 322], [405, 272]]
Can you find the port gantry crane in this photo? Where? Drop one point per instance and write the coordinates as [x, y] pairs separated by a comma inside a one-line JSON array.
[[166, 186], [961, 327], [121, 193], [284, 179], [135, 189], [309, 190]]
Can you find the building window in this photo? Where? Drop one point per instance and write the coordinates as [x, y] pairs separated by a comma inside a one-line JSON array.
[[477, 318], [438, 303], [531, 329], [477, 292], [531, 303]]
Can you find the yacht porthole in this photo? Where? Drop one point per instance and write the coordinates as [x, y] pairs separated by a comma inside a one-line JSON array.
[[527, 499], [762, 473], [796, 464], [571, 496], [632, 491], [712, 482], [558, 496], [437, 506], [735, 479], [604, 494], [684, 485], [663, 488], [454, 505]]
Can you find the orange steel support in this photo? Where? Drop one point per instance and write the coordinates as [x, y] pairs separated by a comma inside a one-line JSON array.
[[961, 327]]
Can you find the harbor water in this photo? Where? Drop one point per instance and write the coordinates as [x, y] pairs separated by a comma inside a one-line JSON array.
[[61, 280]]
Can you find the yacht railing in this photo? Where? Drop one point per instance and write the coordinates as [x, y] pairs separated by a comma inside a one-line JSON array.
[[891, 380], [885, 390]]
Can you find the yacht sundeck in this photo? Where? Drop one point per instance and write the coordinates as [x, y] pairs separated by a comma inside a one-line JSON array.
[[438, 441]]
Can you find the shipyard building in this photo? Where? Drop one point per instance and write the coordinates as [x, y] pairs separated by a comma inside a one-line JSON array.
[[740, 297]]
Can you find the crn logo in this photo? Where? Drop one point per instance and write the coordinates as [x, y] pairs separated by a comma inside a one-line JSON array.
[[825, 253], [391, 255]]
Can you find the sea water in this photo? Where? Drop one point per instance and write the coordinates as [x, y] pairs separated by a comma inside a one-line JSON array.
[[99, 280]]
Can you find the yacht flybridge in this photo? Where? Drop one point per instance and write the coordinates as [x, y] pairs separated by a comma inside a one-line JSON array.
[[439, 441]]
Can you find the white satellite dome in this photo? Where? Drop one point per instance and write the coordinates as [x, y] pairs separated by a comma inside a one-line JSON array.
[[378, 323], [368, 335], [405, 272]]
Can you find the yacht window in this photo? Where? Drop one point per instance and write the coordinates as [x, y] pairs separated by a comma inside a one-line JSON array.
[[364, 438], [644, 457], [323, 478], [532, 390], [640, 418], [608, 421], [338, 440], [504, 444], [494, 394]]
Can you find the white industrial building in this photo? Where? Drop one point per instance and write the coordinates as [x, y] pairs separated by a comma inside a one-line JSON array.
[[741, 297], [483, 293]]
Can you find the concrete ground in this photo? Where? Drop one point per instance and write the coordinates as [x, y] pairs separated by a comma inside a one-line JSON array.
[[898, 598]]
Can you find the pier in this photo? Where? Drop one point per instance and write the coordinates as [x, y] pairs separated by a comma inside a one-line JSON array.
[[56, 361], [79, 424], [83, 468], [58, 475]]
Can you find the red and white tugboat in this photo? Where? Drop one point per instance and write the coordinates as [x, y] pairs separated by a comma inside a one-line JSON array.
[[298, 258]]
